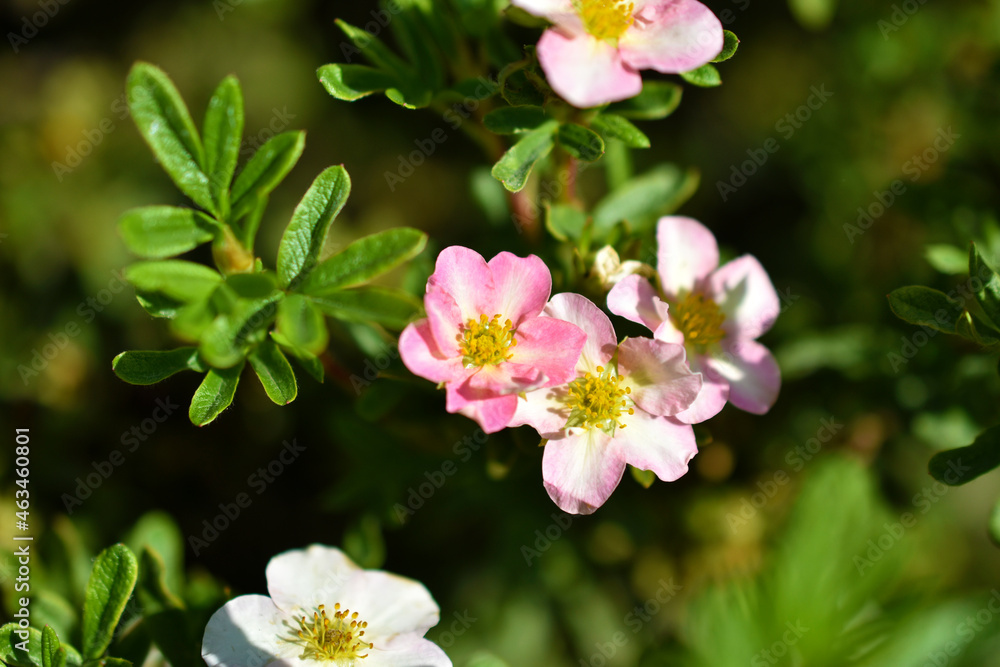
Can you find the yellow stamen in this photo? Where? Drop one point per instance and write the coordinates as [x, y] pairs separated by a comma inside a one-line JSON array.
[[487, 342], [598, 401], [606, 19], [700, 320], [338, 638]]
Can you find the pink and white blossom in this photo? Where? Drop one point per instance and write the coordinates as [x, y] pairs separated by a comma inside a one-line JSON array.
[[617, 409], [716, 312], [324, 610], [483, 338], [595, 49]]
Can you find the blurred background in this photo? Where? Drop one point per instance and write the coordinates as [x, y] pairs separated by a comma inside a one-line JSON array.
[[809, 536]]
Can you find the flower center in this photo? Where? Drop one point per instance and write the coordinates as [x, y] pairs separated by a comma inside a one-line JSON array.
[[598, 401], [606, 19], [487, 342], [699, 319], [337, 638]]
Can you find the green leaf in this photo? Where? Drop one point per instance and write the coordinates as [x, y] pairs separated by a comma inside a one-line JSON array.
[[520, 89], [644, 199], [515, 166], [301, 324], [988, 296], [924, 306], [158, 305], [618, 127], [114, 662], [52, 654], [813, 14], [947, 258], [165, 124], [966, 327], [305, 234], [150, 367], [392, 308], [191, 320], [410, 91], [960, 466], [657, 100], [364, 260], [353, 82], [223, 132], [644, 477], [580, 142], [268, 166], [111, 582], [226, 341], [215, 394], [705, 76], [152, 590], [565, 222], [514, 120], [275, 372], [995, 524], [309, 362], [157, 532], [417, 40], [252, 285], [155, 232], [12, 655], [730, 44], [174, 278]]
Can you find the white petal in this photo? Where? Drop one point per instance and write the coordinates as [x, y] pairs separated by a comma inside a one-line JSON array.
[[390, 604], [407, 651], [247, 632], [544, 410], [306, 578], [581, 470], [661, 444]]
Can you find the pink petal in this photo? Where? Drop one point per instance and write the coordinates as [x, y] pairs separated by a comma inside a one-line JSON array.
[[581, 311], [686, 254], [661, 444], [746, 295], [522, 286], [543, 410], [444, 319], [585, 71], [550, 345], [635, 299], [464, 275], [406, 651], [753, 375], [711, 399], [658, 376], [422, 356], [492, 414], [506, 378], [669, 333], [306, 578], [672, 36], [581, 470], [247, 630]]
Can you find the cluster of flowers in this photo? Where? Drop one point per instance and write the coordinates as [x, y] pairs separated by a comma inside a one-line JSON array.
[[509, 355]]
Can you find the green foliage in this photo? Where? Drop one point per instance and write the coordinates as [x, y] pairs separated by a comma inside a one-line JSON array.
[[657, 100], [924, 306], [515, 166], [110, 586], [730, 44], [706, 76]]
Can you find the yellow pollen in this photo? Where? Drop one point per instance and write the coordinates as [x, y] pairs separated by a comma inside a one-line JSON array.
[[700, 320], [487, 342], [598, 401], [606, 19], [338, 638]]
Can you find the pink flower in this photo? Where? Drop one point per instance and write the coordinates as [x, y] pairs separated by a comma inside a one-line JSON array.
[[594, 51], [483, 337], [717, 313], [617, 409]]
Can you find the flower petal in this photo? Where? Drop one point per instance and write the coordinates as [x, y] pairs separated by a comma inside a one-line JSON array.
[[492, 414], [407, 651], [661, 444], [464, 275], [505, 378], [544, 410], [601, 338], [445, 320], [712, 397], [753, 375], [390, 604], [658, 375], [552, 346], [672, 36], [686, 254], [247, 631], [581, 470], [306, 578], [421, 355], [560, 12], [746, 295], [635, 299], [521, 285], [585, 71]]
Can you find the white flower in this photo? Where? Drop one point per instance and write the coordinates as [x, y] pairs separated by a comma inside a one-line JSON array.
[[325, 611]]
